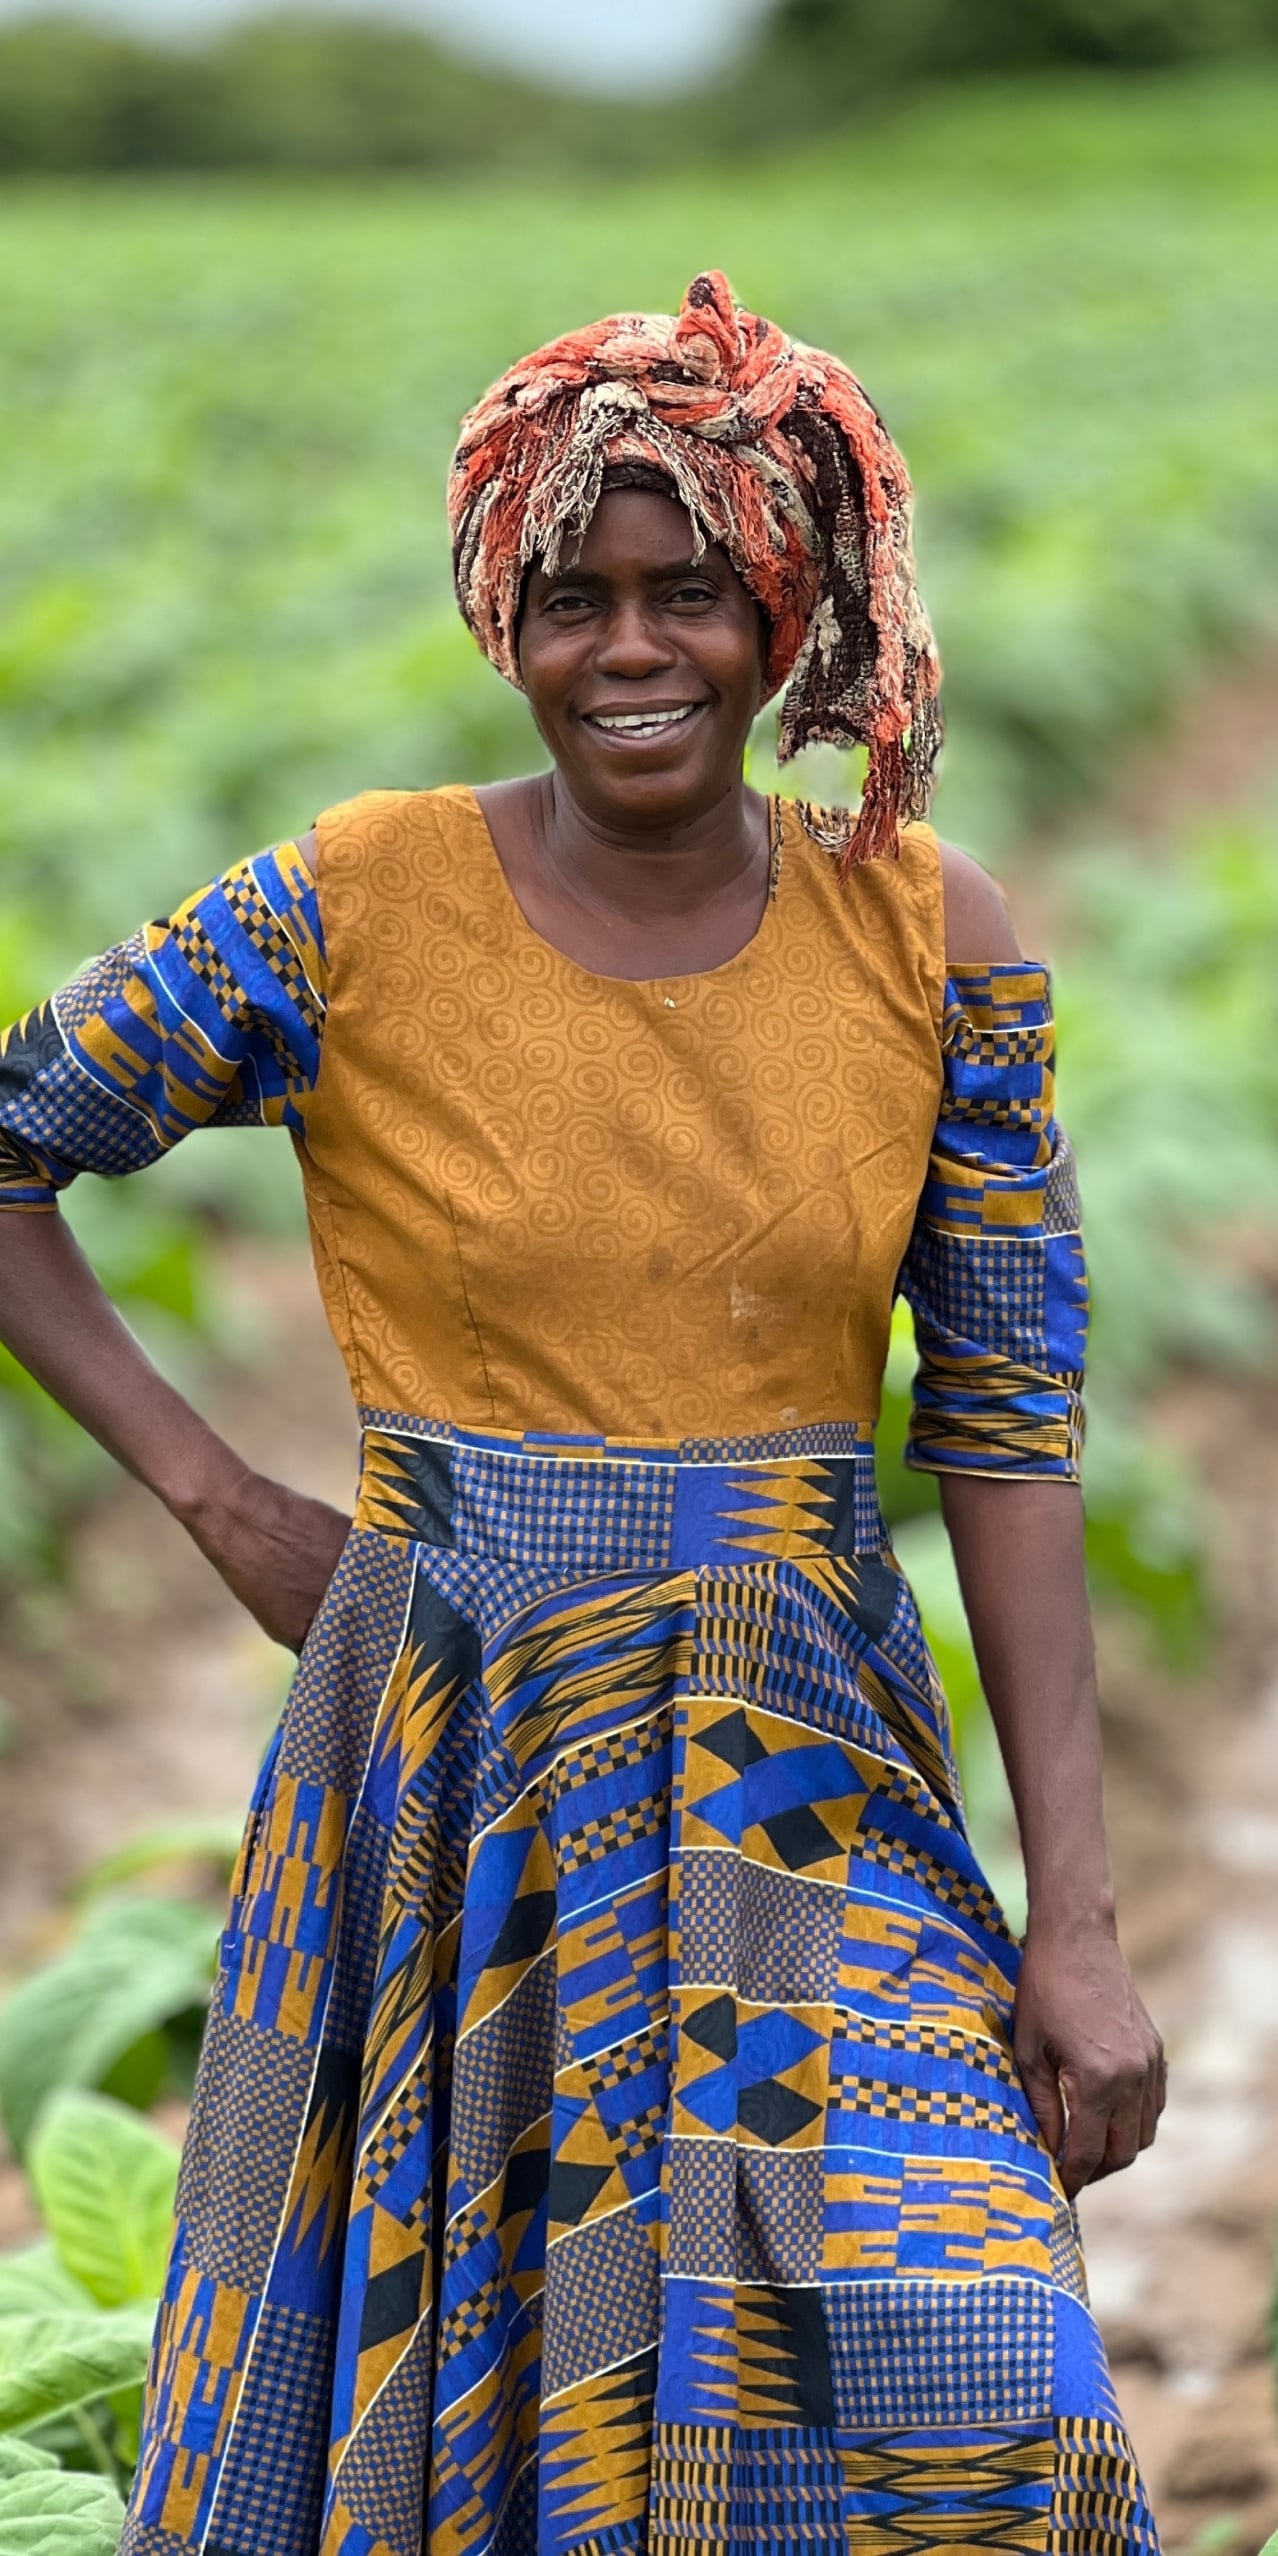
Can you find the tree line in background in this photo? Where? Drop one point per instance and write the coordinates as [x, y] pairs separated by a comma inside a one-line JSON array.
[[291, 91]]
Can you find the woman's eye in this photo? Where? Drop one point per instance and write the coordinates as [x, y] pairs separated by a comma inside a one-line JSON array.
[[694, 595], [566, 602]]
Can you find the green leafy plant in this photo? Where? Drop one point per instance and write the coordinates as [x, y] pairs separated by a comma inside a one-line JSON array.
[[121, 2009], [183, 1851], [105, 2185], [104, 2013], [45, 2512], [77, 2311], [1219, 2537]]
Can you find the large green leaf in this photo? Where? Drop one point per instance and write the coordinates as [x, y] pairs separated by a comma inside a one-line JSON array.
[[21, 2458], [50, 2363], [105, 2181], [137, 1964], [46, 2513], [34, 2283]]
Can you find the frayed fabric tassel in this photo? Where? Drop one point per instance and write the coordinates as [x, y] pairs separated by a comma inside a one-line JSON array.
[[779, 456]]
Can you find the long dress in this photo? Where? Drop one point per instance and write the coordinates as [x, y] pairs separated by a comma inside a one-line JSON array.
[[607, 2137]]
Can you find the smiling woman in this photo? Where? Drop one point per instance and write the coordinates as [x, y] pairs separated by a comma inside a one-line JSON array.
[[627, 2123], [643, 665]]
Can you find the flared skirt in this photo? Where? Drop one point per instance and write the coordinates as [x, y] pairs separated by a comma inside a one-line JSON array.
[[607, 2139]]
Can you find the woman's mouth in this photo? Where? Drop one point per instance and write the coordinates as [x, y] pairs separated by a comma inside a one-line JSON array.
[[640, 725]]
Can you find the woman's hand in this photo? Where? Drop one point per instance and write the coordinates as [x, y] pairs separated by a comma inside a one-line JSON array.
[[1089, 2057], [276, 1549]]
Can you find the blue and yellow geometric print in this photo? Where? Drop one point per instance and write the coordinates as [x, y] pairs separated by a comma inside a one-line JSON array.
[[608, 2141], [995, 1274], [211, 1018]]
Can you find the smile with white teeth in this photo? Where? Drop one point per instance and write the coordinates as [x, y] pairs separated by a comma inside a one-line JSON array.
[[640, 723]]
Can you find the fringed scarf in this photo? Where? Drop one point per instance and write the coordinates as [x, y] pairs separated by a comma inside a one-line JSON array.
[[778, 455]]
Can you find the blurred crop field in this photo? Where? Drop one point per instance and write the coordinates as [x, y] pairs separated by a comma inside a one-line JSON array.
[[226, 410]]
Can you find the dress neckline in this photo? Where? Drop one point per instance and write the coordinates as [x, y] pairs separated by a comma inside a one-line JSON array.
[[522, 928]]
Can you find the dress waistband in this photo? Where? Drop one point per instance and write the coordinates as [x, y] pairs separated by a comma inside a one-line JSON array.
[[589, 1505]]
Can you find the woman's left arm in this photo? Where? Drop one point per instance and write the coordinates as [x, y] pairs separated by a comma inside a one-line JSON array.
[[1090, 2059]]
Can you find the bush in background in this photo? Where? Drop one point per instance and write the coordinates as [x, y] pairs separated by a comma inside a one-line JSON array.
[[290, 91], [283, 92]]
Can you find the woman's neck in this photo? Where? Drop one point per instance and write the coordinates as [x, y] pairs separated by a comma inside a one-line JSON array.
[[673, 900]]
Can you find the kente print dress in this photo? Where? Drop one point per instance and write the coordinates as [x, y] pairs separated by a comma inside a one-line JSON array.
[[607, 2138]]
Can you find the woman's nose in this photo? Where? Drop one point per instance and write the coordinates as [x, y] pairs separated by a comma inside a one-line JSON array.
[[632, 642]]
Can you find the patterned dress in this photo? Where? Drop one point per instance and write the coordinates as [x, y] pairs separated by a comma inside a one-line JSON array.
[[607, 2137]]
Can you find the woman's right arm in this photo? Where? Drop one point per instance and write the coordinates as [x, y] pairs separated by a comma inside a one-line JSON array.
[[212, 1017], [275, 1548]]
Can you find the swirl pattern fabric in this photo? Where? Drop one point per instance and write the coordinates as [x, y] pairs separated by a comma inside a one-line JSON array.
[[608, 2140]]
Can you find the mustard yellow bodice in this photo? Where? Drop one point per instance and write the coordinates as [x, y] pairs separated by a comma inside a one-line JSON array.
[[547, 1200]]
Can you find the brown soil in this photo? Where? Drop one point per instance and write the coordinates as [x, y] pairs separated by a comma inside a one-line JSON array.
[[1181, 2249]]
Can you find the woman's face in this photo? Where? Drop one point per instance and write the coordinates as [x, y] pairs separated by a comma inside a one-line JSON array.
[[643, 666]]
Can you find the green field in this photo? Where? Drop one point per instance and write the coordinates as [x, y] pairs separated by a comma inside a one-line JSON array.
[[228, 412], [228, 408]]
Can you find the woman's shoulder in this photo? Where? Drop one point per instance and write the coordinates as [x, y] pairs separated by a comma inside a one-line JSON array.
[[979, 931], [931, 915], [901, 888], [380, 817], [383, 845]]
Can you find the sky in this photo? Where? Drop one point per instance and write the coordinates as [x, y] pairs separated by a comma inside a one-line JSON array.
[[623, 44]]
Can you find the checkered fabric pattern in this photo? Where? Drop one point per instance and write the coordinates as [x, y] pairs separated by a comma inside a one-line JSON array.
[[610, 2084], [209, 1019], [994, 1274]]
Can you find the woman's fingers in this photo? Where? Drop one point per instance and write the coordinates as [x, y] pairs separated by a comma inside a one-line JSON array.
[[1042, 2086], [1088, 2112], [1089, 2058], [1123, 2139], [1109, 2122], [1155, 2096]]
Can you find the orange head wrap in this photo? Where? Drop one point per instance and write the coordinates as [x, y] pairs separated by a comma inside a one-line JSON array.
[[778, 455]]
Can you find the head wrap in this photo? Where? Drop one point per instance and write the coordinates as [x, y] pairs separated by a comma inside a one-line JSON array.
[[778, 455]]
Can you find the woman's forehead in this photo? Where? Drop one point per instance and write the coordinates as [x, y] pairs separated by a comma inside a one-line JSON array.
[[639, 528]]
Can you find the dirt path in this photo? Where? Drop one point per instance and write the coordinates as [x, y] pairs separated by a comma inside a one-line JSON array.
[[1181, 2249]]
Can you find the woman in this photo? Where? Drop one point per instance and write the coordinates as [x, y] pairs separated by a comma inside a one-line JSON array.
[[625, 2120]]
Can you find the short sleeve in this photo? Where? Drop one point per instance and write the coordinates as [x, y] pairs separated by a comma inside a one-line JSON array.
[[994, 1274], [210, 1018]]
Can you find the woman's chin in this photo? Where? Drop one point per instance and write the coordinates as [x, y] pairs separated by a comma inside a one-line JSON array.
[[660, 787]]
